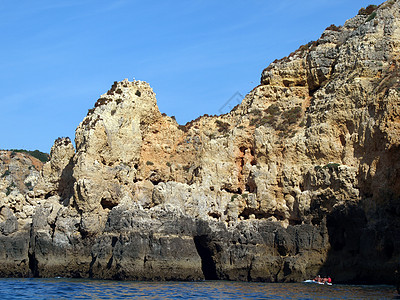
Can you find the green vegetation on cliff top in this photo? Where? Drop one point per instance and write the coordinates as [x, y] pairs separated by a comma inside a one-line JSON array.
[[43, 157]]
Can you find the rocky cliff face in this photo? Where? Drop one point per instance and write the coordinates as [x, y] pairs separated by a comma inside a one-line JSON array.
[[302, 177], [19, 173]]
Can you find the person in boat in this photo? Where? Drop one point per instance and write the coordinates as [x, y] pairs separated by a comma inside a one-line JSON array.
[[327, 280], [318, 278]]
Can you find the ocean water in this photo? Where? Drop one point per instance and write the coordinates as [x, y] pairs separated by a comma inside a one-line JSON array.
[[33, 288]]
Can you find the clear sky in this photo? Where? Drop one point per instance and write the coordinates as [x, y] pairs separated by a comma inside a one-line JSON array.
[[58, 57]]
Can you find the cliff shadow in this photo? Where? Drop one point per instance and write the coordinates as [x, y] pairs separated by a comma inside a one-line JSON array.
[[66, 183], [364, 244]]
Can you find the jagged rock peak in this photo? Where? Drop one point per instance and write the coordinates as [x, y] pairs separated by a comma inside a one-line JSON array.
[[57, 171], [121, 94], [124, 108], [124, 90]]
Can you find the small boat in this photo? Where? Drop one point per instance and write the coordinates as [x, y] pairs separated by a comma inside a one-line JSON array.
[[317, 282]]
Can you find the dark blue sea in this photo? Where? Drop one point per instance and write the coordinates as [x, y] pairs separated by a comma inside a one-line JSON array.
[[34, 288]]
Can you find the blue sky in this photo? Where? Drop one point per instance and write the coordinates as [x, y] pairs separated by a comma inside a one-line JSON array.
[[58, 57]]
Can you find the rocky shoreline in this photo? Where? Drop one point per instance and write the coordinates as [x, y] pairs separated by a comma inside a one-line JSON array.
[[302, 178]]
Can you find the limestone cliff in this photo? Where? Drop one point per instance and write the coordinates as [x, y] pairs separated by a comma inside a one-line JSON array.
[[19, 173], [302, 177]]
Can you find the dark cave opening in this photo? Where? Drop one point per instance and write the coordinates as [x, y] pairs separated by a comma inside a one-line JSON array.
[[33, 264], [205, 253]]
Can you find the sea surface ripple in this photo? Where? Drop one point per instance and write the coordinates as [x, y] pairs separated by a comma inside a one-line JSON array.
[[60, 288]]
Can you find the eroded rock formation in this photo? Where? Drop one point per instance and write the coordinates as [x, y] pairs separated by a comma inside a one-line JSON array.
[[19, 173], [302, 177]]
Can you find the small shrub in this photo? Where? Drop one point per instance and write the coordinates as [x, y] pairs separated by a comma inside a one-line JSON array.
[[168, 164], [102, 101], [186, 168], [333, 27], [367, 11], [311, 45], [292, 115], [183, 128], [273, 110], [314, 45], [8, 190], [234, 197], [303, 48], [267, 120], [222, 126], [6, 173], [29, 185], [149, 163], [253, 122], [64, 140], [236, 107], [371, 16], [332, 166], [256, 112], [371, 8], [87, 120]]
